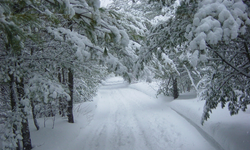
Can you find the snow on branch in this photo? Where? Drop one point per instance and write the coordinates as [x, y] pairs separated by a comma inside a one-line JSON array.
[[217, 21], [170, 62], [73, 37], [190, 77]]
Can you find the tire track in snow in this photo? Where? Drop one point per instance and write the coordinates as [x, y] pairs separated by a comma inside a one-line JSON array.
[[121, 135], [134, 118], [129, 119], [93, 136], [117, 133], [158, 136], [114, 127], [163, 134]]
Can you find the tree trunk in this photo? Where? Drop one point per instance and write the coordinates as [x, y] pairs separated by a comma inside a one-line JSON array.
[[12, 92], [62, 101], [25, 124], [71, 88], [188, 87], [175, 88], [13, 99], [70, 102], [34, 114], [32, 102], [26, 135]]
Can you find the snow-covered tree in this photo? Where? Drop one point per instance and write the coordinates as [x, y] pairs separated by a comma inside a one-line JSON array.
[[39, 39], [211, 38], [217, 36], [161, 53]]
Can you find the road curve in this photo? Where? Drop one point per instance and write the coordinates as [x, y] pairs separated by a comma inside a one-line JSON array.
[[127, 119]]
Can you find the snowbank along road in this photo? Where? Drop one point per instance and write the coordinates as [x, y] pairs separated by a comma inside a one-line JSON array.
[[128, 119]]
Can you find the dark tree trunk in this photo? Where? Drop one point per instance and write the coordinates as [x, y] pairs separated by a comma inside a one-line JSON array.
[[2, 91], [175, 88], [63, 76], [70, 102], [71, 88], [60, 99], [188, 87], [13, 98], [26, 135], [12, 91], [59, 75], [25, 124]]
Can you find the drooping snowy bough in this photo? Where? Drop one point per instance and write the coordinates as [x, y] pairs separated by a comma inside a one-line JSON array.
[[54, 53], [208, 42]]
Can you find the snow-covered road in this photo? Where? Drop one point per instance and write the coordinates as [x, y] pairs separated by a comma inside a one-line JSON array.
[[127, 119]]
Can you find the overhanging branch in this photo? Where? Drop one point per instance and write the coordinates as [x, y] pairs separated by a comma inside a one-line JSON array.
[[231, 65]]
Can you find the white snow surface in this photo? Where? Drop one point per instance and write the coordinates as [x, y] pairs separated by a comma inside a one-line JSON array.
[[130, 117], [105, 3], [231, 132]]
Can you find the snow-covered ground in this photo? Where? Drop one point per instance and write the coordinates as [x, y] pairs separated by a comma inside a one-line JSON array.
[[232, 132], [130, 117]]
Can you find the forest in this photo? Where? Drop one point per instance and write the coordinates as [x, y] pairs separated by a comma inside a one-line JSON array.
[[55, 53]]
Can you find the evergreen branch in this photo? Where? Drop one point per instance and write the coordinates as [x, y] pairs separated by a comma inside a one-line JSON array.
[[231, 75], [231, 65], [247, 51]]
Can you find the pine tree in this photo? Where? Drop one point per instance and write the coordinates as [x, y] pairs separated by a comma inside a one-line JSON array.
[[211, 47]]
